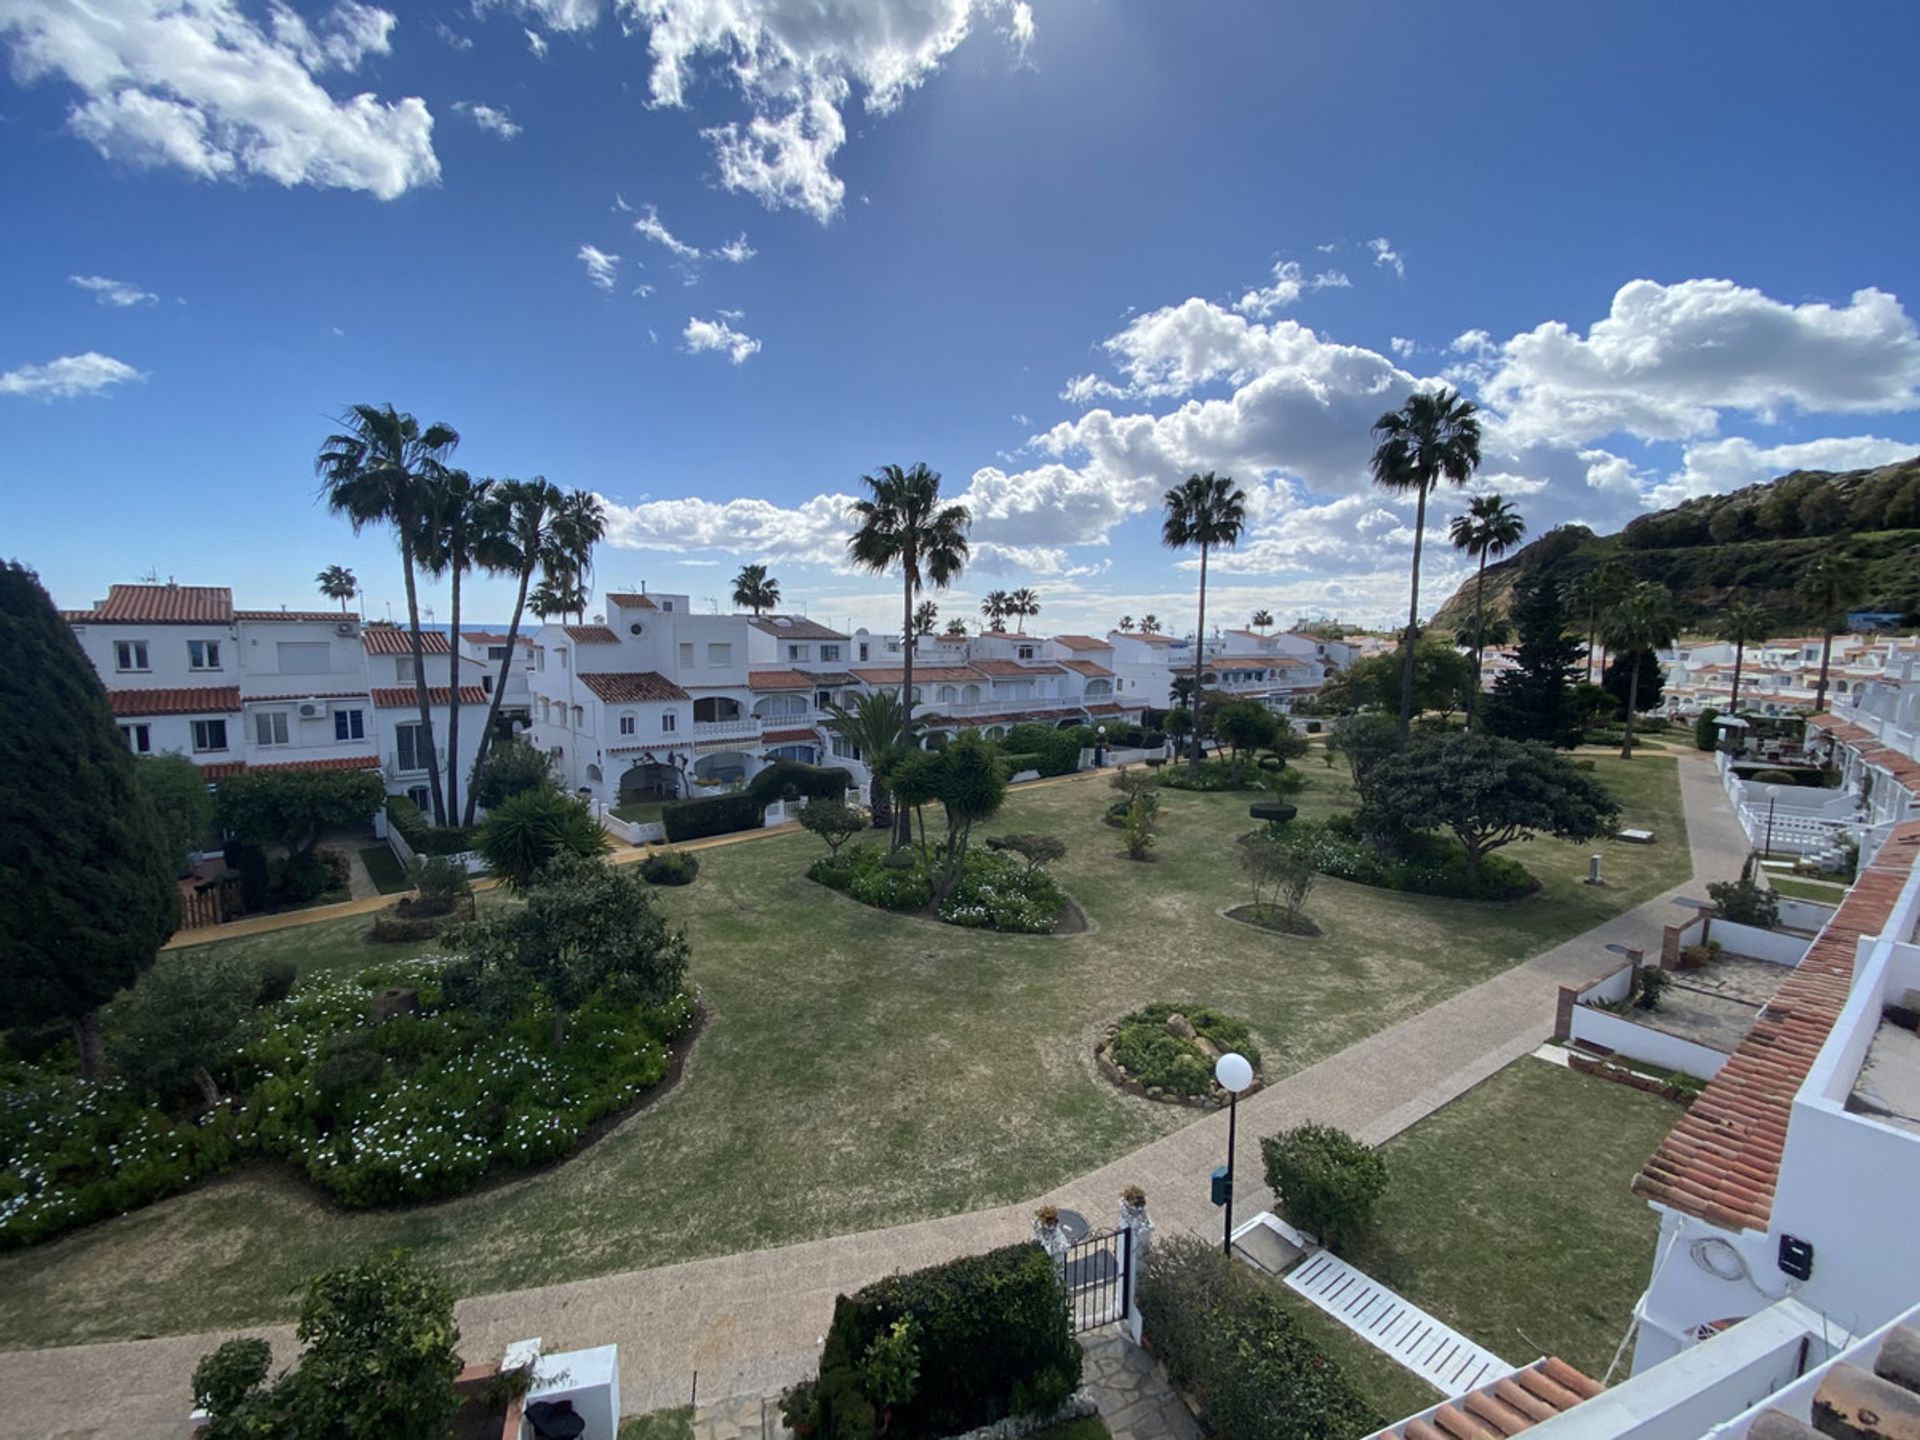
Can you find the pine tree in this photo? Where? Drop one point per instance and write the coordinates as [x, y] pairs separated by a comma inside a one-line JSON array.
[[1534, 701], [86, 868], [1617, 679]]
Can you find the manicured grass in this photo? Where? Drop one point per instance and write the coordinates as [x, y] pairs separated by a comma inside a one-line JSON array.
[[646, 812], [1797, 888], [862, 1069], [1509, 1215], [675, 1424], [384, 869]]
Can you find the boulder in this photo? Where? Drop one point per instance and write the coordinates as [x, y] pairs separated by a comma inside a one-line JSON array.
[[1207, 1047], [1179, 1027]]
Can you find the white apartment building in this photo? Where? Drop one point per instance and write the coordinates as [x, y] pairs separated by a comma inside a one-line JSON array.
[[387, 652], [1275, 669]]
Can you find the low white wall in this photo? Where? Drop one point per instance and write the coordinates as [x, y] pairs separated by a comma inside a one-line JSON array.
[[1804, 914], [1639, 1042], [1758, 944], [1610, 987]]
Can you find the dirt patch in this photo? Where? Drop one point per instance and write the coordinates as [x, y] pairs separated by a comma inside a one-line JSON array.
[[1273, 919]]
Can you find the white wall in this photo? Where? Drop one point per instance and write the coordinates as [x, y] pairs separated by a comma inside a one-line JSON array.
[[1804, 914], [1758, 944], [1634, 1041]]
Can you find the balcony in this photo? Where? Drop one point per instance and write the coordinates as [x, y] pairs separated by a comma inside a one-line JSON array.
[[415, 766], [745, 727]]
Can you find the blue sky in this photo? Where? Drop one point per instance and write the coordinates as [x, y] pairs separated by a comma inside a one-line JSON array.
[[1064, 252]]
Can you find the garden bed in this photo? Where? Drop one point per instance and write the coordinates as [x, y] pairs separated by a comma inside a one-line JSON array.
[[994, 892], [1274, 919], [1166, 1053], [1431, 865]]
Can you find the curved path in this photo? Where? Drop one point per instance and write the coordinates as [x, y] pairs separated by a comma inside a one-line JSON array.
[[750, 1322]]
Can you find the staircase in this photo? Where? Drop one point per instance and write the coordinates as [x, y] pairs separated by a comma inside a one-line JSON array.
[[1852, 1402], [1503, 1407]]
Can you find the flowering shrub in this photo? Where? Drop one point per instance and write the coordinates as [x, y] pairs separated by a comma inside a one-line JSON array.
[[994, 891], [409, 1108]]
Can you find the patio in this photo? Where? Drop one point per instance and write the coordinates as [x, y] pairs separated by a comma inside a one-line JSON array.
[[1714, 1006]]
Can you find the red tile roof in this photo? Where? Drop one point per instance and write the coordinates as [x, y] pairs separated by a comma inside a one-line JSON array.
[[193, 700], [795, 627], [591, 634], [224, 769], [341, 762], [404, 697], [1007, 669], [1088, 668], [791, 737], [1830, 724], [1082, 642], [629, 600], [1722, 1161], [795, 679], [302, 615], [1112, 709], [922, 674], [304, 695], [631, 687], [394, 640], [165, 605]]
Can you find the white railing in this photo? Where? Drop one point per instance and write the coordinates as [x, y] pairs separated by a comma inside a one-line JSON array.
[[714, 729], [395, 770]]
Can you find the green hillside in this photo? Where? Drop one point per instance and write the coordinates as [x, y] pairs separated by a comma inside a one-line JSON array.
[[1752, 543]]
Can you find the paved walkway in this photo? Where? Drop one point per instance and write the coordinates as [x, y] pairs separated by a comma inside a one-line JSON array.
[[750, 1323]]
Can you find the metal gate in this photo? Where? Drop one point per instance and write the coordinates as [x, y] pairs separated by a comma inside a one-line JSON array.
[[1095, 1271]]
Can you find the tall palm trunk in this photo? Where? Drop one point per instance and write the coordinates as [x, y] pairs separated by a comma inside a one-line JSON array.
[[1199, 660], [1479, 632], [1413, 618], [1826, 654], [1631, 657], [420, 694], [902, 821], [1593, 639], [459, 558], [1739, 658], [500, 685]]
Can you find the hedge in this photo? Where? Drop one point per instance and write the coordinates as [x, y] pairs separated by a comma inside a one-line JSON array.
[[1058, 751], [1226, 1336], [789, 779], [1019, 762], [994, 1340], [720, 815], [421, 837]]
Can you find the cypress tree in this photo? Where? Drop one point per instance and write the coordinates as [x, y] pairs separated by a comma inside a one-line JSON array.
[[1534, 701], [1618, 679], [86, 870]]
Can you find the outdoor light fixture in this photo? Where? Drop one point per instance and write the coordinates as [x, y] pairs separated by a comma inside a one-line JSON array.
[[1234, 1074]]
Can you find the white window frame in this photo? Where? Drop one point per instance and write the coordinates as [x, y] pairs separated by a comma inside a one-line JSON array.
[[203, 654], [356, 726], [139, 737], [686, 655], [796, 651], [130, 657], [669, 720], [403, 669], [829, 652], [199, 733], [719, 655], [629, 724], [271, 729]]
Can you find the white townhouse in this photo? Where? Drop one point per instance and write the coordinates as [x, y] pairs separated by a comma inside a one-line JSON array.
[[233, 690], [1144, 666], [1275, 669], [402, 742]]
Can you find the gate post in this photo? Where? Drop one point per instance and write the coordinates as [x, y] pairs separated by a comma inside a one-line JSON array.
[[1138, 1229], [1046, 1229]]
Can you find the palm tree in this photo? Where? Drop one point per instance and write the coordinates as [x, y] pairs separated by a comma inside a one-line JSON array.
[[1434, 436], [1641, 621], [336, 582], [873, 726], [957, 627], [1204, 510], [1594, 594], [926, 615], [1126, 624], [457, 513], [996, 608], [755, 589], [528, 525], [1490, 527], [1829, 585], [1262, 621], [581, 523], [903, 523], [1149, 624], [376, 471], [1023, 603], [1744, 623], [556, 598]]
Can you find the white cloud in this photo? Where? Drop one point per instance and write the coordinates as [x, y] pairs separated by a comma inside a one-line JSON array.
[[493, 121], [113, 292], [1020, 26], [815, 531], [649, 227], [643, 290], [454, 39], [1667, 359], [1384, 254], [1289, 283], [786, 161], [69, 376], [988, 557], [537, 43], [703, 335], [1715, 467], [1402, 347], [737, 251], [602, 269], [206, 89]]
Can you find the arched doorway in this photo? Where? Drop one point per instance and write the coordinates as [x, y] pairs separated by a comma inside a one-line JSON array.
[[646, 781], [727, 767]]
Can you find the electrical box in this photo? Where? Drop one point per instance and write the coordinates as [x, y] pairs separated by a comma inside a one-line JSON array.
[[1222, 1185], [1796, 1257]]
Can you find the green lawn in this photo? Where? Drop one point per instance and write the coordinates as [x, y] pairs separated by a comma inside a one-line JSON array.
[[639, 812], [384, 869], [1797, 888], [862, 1069]]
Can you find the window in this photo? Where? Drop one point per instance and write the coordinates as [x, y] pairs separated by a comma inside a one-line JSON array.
[[667, 605], [829, 652], [822, 699], [844, 749], [667, 720], [1025, 652], [269, 727], [796, 652], [486, 684], [209, 735], [628, 725], [410, 741], [546, 709], [304, 657], [403, 667], [863, 649], [579, 717], [686, 655], [719, 656], [139, 738], [130, 655], [420, 796], [203, 654], [496, 652], [349, 725]]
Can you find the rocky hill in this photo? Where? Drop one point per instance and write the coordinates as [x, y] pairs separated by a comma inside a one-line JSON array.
[[1751, 543]]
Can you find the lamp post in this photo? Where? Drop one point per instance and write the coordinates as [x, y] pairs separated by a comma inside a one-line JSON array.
[[1773, 793], [1100, 747], [1234, 1074]]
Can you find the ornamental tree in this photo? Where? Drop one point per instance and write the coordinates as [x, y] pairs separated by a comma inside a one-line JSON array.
[[1325, 1181], [182, 1021], [295, 808], [1037, 850], [181, 799], [1489, 792], [1535, 699], [1442, 678], [87, 877], [834, 821], [511, 768], [529, 831]]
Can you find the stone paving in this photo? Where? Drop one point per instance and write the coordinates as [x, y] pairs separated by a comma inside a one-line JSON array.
[[750, 1323], [1132, 1391]]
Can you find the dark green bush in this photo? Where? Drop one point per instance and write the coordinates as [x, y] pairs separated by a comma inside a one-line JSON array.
[[1773, 777], [274, 981], [1019, 762], [1745, 903], [1056, 752], [1425, 864], [1227, 1338], [718, 815], [791, 780], [306, 875], [994, 1340], [1705, 732], [1325, 1181], [670, 867], [994, 891], [1150, 1054], [256, 876], [1212, 775], [423, 838]]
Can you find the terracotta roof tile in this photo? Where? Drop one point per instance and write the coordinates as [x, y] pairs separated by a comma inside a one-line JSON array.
[[791, 737], [632, 687], [223, 770], [795, 679], [922, 674], [628, 600], [341, 762], [191, 700], [1082, 642], [1010, 669], [795, 627], [591, 634], [306, 616], [404, 697], [1722, 1161], [394, 640], [1088, 668], [166, 605]]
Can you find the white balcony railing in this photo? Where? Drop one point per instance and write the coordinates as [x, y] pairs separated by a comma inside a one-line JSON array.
[[744, 727]]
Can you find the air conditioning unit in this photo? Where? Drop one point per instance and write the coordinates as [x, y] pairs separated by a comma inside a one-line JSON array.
[[636, 628], [311, 709]]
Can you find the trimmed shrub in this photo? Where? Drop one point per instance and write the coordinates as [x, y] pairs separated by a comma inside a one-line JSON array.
[[1056, 752], [1019, 762], [1705, 732], [1427, 864], [1773, 777], [1152, 1055], [1212, 775], [1745, 903], [1325, 1181], [670, 867], [274, 982], [993, 1337], [1227, 1338], [422, 837], [791, 780], [720, 815]]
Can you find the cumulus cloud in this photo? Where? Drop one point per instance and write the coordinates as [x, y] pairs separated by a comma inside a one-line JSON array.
[[113, 292], [602, 269], [1715, 467], [719, 335], [1386, 256], [1020, 25], [493, 121], [206, 89], [1289, 284], [1402, 347], [67, 377], [815, 531]]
